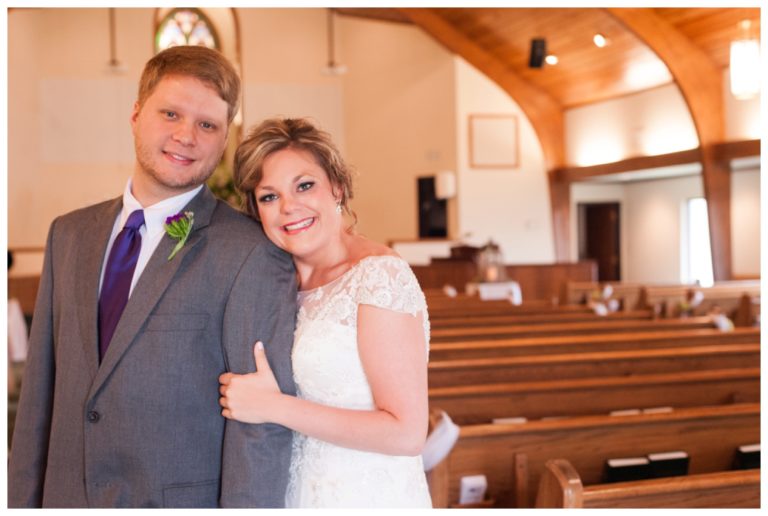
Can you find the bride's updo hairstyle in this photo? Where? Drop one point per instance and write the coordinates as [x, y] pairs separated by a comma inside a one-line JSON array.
[[276, 134]]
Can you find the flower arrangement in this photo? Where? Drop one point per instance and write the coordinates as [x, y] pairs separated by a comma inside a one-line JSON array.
[[179, 227]]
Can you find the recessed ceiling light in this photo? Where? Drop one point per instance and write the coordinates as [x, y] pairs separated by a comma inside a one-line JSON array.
[[600, 40], [551, 59]]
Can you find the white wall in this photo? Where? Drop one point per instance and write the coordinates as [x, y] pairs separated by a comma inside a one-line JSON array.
[[652, 221], [742, 117], [392, 114], [656, 121], [654, 210], [64, 102], [510, 206], [745, 222], [399, 121], [283, 52]]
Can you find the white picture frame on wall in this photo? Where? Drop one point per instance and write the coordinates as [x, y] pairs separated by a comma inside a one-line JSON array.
[[493, 141]]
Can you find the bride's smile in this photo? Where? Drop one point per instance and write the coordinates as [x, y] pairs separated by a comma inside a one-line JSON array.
[[297, 205]]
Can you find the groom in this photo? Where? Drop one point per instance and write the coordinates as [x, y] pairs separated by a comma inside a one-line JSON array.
[[119, 406]]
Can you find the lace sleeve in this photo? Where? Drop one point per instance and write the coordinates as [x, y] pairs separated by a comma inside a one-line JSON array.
[[388, 282]]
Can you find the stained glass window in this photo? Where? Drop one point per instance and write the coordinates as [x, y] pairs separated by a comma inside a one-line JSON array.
[[185, 27]]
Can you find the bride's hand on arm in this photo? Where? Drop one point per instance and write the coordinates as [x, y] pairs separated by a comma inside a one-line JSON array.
[[393, 354], [253, 397]]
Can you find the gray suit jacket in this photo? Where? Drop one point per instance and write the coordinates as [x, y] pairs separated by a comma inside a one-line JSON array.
[[144, 428]]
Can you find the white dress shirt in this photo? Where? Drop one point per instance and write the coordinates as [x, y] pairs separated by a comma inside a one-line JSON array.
[[151, 232]]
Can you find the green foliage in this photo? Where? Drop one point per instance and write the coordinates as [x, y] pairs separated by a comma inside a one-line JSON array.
[[223, 187]]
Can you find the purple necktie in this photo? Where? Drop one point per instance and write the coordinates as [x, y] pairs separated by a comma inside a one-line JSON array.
[[117, 278]]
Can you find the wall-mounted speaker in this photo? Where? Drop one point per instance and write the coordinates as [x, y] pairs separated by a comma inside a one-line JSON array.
[[538, 52]]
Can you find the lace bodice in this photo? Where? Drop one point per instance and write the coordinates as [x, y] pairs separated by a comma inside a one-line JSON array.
[[383, 281], [327, 369]]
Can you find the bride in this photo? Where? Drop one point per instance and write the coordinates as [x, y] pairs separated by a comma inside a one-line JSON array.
[[361, 341]]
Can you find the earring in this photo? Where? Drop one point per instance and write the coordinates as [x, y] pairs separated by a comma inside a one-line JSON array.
[[338, 208]]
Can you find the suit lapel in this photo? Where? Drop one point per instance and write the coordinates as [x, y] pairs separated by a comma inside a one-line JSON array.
[[88, 274], [154, 281]]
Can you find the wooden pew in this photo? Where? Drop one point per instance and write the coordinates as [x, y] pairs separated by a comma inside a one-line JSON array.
[[666, 300], [669, 301], [536, 318], [537, 281], [748, 312], [580, 292], [479, 404], [547, 345], [478, 371], [562, 487], [24, 288], [464, 305], [512, 457], [594, 327]]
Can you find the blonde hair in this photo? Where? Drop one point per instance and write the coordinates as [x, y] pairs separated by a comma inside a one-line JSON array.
[[275, 134], [202, 63]]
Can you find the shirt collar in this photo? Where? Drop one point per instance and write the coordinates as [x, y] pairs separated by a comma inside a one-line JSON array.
[[155, 215]]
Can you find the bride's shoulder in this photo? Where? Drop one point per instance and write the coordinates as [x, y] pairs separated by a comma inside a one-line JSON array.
[[368, 250]]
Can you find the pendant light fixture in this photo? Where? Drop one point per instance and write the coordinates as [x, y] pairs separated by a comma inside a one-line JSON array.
[[114, 65], [332, 68], [745, 63]]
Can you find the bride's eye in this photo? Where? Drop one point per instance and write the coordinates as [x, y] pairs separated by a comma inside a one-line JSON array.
[[267, 198], [306, 185]]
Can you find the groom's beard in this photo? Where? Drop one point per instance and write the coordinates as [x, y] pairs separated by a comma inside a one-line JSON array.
[[164, 174]]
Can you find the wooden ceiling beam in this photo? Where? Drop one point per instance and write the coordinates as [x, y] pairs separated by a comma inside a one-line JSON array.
[[574, 174], [723, 151], [700, 81], [737, 149], [544, 112]]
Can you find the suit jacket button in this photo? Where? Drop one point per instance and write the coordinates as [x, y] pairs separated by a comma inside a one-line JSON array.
[[93, 416]]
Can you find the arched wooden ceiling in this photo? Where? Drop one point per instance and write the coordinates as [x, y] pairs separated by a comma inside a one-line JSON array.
[[584, 73], [647, 48]]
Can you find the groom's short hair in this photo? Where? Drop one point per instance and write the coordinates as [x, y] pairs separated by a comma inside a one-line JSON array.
[[202, 63]]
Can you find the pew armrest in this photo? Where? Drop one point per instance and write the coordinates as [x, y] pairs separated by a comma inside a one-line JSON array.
[[559, 486]]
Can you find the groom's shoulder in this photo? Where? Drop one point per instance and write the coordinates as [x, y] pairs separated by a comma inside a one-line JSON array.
[[80, 217], [229, 224], [236, 234]]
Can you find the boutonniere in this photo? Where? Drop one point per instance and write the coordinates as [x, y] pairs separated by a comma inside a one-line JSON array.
[[179, 227]]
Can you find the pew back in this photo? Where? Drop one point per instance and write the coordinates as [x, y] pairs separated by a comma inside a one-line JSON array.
[[478, 404], [594, 327], [537, 318], [561, 487], [708, 434], [479, 371], [548, 345]]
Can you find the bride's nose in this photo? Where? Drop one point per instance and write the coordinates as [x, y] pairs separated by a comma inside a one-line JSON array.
[[287, 204]]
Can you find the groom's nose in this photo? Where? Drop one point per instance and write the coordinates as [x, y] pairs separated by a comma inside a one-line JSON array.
[[184, 134]]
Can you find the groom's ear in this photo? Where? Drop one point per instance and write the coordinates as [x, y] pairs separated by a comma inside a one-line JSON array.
[[135, 113]]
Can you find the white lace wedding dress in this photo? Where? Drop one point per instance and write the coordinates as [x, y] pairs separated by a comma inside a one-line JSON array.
[[327, 370]]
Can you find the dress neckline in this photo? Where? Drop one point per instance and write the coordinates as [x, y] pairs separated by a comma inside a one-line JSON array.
[[347, 272]]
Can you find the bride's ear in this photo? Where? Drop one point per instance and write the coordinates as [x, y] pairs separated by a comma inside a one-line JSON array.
[[337, 191]]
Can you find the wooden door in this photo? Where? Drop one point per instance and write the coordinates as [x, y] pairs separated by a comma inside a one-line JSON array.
[[600, 238]]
